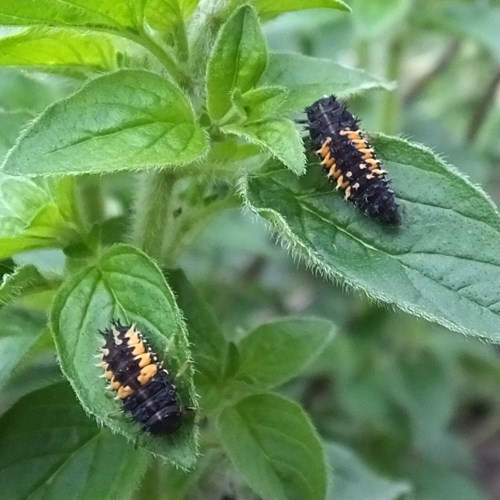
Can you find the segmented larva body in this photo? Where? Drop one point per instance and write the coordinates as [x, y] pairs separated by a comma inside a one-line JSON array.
[[146, 388], [349, 159]]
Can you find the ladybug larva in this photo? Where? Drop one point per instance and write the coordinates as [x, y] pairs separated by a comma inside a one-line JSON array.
[[146, 388], [350, 160]]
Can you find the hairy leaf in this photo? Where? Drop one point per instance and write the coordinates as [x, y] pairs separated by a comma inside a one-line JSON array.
[[236, 62], [310, 78], [275, 352], [22, 280], [442, 263], [58, 49], [35, 214], [271, 8], [122, 121], [47, 443], [123, 284], [272, 443], [278, 136]]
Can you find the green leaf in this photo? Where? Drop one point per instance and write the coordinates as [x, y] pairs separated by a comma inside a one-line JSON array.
[[353, 480], [118, 15], [126, 120], [47, 442], [11, 123], [442, 263], [237, 60], [205, 333], [264, 101], [278, 136], [167, 15], [23, 279], [20, 331], [58, 49], [272, 8], [273, 353], [272, 443], [310, 78], [484, 29], [125, 283], [35, 214]]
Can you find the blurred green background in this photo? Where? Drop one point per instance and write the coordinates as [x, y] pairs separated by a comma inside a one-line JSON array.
[[409, 402]]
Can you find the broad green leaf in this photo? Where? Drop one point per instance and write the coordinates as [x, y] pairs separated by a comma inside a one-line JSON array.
[[205, 334], [353, 480], [278, 136], [271, 8], [126, 120], [22, 280], [125, 284], [484, 29], [442, 263], [275, 352], [237, 60], [58, 49], [272, 443], [310, 78], [118, 15], [35, 214], [20, 330], [49, 448]]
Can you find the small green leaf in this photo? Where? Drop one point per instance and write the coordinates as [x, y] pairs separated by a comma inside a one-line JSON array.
[[122, 121], [58, 49], [272, 8], [35, 214], [272, 443], [310, 78], [22, 280], [353, 480], [46, 441], [442, 263], [273, 353], [118, 15], [264, 101], [167, 15], [124, 284], [237, 60], [278, 136], [20, 331]]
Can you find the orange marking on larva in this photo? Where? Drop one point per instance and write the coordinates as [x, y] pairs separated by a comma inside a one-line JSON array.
[[333, 172], [373, 161], [125, 391], [340, 182], [147, 373], [108, 374], [116, 336], [144, 359], [347, 193], [362, 166], [115, 384], [370, 176], [377, 171]]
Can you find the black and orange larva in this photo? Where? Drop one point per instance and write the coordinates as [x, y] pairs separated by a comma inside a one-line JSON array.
[[146, 388], [350, 160]]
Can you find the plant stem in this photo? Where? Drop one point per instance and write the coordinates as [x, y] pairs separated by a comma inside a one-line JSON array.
[[391, 103], [152, 211], [483, 108]]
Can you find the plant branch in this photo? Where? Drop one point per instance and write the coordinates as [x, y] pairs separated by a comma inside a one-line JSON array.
[[442, 62], [483, 109]]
